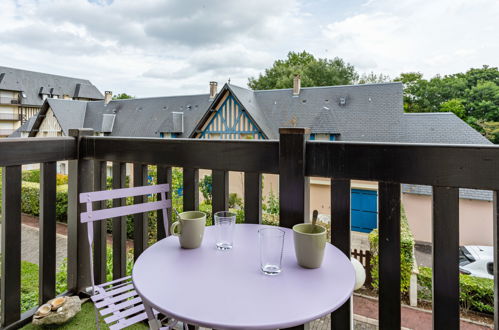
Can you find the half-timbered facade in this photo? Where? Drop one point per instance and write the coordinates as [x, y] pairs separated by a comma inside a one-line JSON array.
[[229, 120]]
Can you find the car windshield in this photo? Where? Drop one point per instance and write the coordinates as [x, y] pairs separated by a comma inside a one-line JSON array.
[[465, 257]]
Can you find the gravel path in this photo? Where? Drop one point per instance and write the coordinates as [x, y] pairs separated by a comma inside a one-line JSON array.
[[30, 248]]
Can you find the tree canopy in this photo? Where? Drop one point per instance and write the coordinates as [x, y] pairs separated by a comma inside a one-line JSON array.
[[473, 96], [313, 72], [122, 96]]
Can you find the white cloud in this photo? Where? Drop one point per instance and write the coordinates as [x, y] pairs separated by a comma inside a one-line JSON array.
[[444, 36], [166, 47]]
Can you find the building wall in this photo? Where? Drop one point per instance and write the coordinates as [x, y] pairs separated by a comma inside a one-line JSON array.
[[49, 126], [8, 112], [475, 219]]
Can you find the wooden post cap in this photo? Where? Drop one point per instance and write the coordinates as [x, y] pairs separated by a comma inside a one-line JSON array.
[[294, 130]]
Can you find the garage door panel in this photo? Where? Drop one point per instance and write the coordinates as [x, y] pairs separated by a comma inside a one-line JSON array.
[[364, 211]]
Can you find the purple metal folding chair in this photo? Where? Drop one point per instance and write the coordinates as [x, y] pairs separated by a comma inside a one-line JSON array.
[[117, 301]]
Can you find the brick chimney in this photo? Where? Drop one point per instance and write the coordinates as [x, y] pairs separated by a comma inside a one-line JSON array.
[[108, 96], [296, 85], [213, 89]]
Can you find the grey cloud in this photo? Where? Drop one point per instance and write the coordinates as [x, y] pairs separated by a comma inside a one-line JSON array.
[[60, 42], [194, 23]]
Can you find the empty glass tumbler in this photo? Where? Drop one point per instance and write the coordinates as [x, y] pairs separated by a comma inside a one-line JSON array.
[[225, 223], [271, 248]]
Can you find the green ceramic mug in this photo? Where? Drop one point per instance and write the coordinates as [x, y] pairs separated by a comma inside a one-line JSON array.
[[310, 243], [189, 229]]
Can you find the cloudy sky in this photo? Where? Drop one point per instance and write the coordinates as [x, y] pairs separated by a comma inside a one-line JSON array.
[[170, 47]]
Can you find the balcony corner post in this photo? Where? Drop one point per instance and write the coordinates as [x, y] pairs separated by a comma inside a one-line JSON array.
[[80, 180], [293, 185]]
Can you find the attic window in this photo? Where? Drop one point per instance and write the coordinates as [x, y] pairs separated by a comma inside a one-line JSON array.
[[23, 94], [304, 101], [326, 100], [343, 100]]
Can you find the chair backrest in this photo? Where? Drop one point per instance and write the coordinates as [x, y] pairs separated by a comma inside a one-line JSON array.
[[90, 215]]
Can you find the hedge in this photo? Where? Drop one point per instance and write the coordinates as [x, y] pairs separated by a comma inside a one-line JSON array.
[[406, 254], [34, 176], [475, 293], [30, 200]]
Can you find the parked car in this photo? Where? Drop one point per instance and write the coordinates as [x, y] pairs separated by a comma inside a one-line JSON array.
[[476, 261]]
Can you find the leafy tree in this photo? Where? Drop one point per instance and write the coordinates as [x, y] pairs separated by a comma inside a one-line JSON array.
[[454, 105], [313, 72], [473, 96], [123, 96], [373, 78], [490, 129], [206, 188]]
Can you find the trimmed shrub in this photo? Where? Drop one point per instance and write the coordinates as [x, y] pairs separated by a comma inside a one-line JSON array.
[[475, 293], [406, 254], [61, 179], [31, 176], [30, 200]]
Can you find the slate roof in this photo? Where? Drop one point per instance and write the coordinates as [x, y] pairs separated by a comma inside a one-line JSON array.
[[438, 127], [32, 83], [146, 117], [367, 115], [69, 114], [24, 128], [464, 193]]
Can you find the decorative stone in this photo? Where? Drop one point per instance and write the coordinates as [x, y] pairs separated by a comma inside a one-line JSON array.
[[67, 310]]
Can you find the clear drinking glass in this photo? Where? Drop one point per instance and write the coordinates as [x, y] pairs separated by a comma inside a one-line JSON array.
[[271, 248], [225, 222]]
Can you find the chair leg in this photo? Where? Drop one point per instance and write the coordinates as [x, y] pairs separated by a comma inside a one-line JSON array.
[[153, 321]]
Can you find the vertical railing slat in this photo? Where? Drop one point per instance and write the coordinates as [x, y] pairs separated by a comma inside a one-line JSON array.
[[340, 237], [100, 227], [140, 220], [445, 258], [191, 189], [164, 174], [220, 191], [119, 224], [47, 234], [252, 197], [389, 256], [11, 245]]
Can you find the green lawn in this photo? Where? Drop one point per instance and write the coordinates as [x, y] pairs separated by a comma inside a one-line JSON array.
[[29, 299], [84, 320]]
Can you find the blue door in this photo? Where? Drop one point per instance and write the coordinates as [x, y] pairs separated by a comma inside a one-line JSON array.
[[364, 210]]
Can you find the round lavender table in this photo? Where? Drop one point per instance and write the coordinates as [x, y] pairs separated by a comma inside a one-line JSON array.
[[227, 290]]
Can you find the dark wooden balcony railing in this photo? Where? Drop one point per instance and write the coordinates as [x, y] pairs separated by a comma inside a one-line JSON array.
[[444, 167]]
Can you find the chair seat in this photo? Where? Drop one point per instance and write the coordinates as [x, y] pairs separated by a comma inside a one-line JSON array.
[[119, 303]]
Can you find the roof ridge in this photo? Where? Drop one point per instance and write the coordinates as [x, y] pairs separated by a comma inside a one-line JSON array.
[[332, 86], [160, 97], [43, 73], [429, 113]]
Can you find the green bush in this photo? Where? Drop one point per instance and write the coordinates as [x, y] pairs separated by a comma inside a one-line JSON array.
[[235, 201], [31, 176], [30, 200], [61, 179], [406, 254], [475, 293]]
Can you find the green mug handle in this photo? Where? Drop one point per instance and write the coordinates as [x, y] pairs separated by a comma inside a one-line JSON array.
[[172, 228]]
